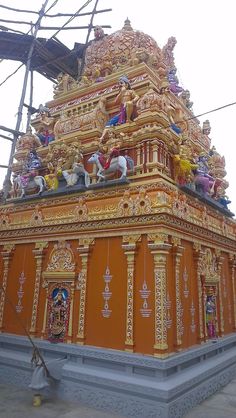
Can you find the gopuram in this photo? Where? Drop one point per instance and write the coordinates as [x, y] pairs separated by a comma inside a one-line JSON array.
[[118, 250]]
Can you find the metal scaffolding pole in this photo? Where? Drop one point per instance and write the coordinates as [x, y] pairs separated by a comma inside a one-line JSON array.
[[22, 99]]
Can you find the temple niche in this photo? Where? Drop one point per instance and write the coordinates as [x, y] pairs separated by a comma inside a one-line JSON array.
[[124, 186]]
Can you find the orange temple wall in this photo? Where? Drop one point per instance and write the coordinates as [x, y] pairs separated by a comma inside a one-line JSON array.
[[183, 309]]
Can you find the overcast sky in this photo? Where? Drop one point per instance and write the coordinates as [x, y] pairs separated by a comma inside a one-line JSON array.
[[204, 56]]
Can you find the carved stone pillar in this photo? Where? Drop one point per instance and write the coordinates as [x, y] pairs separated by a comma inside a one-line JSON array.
[[160, 249], [129, 246], [38, 255], [70, 325], [197, 256], [155, 152], [83, 249], [232, 261], [140, 160], [221, 313], [6, 255], [148, 156], [178, 251]]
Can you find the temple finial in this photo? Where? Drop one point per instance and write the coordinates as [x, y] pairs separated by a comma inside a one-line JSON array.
[[127, 25]]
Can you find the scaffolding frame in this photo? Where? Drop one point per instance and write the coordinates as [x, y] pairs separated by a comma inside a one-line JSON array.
[[34, 29]]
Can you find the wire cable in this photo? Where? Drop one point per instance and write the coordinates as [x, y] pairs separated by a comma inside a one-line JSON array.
[[55, 34], [30, 30]]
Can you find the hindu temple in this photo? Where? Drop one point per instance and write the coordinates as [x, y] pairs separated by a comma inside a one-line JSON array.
[[118, 249]]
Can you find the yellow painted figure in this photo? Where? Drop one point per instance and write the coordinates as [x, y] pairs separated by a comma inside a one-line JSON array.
[[51, 178]]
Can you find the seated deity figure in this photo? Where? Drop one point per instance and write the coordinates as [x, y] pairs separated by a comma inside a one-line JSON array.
[[52, 177], [45, 131], [183, 164], [127, 99], [174, 82], [73, 170], [202, 164], [33, 162], [110, 146]]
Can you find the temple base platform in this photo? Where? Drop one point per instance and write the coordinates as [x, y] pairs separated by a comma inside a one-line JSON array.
[[132, 385]]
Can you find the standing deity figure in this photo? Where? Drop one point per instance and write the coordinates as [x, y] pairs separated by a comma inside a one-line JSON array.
[[45, 131], [211, 316], [58, 318], [127, 98]]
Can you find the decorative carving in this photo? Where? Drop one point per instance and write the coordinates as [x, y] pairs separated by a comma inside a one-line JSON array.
[[178, 250], [145, 293], [61, 258], [125, 205], [95, 118], [81, 210], [20, 292], [106, 312], [36, 217], [232, 263], [129, 246], [4, 221], [168, 311], [185, 280], [85, 244], [158, 238], [198, 267], [38, 254], [192, 313], [209, 267], [160, 276], [126, 46], [6, 255], [142, 203]]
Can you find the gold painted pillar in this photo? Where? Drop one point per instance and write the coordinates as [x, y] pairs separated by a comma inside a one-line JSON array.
[[6, 255], [197, 256], [177, 252], [221, 302], [83, 249], [160, 250], [129, 247], [232, 262], [39, 253]]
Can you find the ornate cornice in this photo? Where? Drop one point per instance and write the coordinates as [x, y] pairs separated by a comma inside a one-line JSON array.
[[121, 225]]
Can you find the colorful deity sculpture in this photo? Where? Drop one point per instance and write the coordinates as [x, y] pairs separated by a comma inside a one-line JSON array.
[[211, 315], [45, 130], [28, 141], [58, 318], [52, 177], [127, 98], [174, 82], [33, 162]]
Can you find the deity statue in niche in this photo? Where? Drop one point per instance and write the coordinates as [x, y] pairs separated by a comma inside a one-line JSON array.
[[210, 307], [58, 314], [127, 98]]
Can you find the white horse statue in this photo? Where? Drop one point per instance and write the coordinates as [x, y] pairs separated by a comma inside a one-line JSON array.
[[23, 183], [117, 163]]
